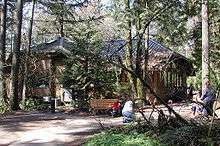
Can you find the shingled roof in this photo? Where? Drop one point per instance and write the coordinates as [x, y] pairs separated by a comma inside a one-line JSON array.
[[160, 56], [60, 45]]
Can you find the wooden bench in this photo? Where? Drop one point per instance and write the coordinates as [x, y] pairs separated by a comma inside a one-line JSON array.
[[101, 104]]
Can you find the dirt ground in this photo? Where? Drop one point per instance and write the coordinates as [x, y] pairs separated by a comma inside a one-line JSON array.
[[51, 129], [58, 129]]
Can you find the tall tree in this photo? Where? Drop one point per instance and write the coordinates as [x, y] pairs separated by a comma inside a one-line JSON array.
[[25, 92], [16, 56], [205, 44], [128, 38], [3, 93], [138, 4], [138, 16]]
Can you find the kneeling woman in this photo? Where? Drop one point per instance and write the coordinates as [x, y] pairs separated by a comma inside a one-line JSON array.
[[128, 111]]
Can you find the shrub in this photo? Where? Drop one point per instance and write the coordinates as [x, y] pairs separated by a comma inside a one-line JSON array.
[[3, 107], [189, 136], [174, 134], [33, 104]]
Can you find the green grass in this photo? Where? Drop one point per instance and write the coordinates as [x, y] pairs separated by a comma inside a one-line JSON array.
[[144, 135], [131, 139]]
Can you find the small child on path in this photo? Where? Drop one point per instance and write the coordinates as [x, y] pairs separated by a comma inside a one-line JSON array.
[[170, 103]]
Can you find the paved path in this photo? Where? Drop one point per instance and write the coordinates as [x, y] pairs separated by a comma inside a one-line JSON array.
[[46, 129]]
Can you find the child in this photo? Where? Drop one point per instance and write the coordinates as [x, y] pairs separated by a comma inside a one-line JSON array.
[[116, 109], [170, 102], [194, 109]]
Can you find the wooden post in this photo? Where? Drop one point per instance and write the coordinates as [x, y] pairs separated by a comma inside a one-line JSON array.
[[180, 80], [176, 74], [52, 78], [171, 80], [178, 77], [184, 82], [166, 79]]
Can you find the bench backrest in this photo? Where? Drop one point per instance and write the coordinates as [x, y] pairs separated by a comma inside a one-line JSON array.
[[102, 103]]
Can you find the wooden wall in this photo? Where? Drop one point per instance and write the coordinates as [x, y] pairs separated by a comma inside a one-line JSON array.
[[164, 83], [157, 84]]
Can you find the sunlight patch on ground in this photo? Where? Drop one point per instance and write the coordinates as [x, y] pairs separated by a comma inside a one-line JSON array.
[[48, 135]]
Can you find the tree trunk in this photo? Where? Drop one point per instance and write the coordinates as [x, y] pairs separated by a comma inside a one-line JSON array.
[[205, 44], [145, 72], [16, 56], [61, 21], [128, 54], [141, 55], [26, 91], [3, 91], [138, 69]]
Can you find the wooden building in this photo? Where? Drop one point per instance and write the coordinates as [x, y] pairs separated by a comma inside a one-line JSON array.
[[45, 66], [50, 61], [168, 70]]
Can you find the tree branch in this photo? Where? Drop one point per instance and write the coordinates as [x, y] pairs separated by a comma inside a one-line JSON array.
[[160, 11]]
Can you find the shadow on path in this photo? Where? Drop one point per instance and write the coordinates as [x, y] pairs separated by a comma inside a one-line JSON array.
[[51, 129]]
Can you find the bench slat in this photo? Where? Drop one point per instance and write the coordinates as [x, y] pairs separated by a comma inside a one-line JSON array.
[[102, 103]]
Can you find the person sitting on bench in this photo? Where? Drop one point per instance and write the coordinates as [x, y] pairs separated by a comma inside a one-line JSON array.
[[207, 99]]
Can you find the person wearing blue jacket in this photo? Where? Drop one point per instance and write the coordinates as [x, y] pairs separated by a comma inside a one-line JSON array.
[[208, 98]]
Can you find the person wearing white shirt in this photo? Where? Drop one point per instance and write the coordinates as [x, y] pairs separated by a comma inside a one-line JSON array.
[[127, 111]]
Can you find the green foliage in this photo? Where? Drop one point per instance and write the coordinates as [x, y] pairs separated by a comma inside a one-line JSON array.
[[189, 135], [183, 136], [3, 107], [134, 139], [196, 80], [143, 134], [73, 103], [128, 135], [124, 88], [96, 76], [214, 14], [33, 104], [130, 129], [84, 70]]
